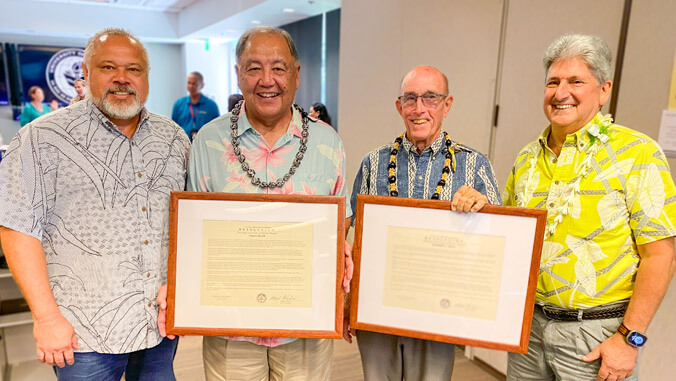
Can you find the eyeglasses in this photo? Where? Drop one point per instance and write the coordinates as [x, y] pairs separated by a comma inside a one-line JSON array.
[[428, 99]]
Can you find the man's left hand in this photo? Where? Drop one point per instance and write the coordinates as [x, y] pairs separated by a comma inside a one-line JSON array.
[[468, 199], [349, 267], [618, 358]]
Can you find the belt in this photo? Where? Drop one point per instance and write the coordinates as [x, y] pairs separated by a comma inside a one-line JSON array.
[[562, 314]]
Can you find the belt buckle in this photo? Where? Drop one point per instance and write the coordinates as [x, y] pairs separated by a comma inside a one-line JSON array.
[[549, 313]]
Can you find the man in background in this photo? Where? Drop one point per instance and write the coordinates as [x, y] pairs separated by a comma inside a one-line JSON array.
[[194, 110], [79, 86]]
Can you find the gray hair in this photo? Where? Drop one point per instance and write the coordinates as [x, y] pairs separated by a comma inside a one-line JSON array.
[[100, 36], [79, 80], [263, 30], [592, 49]]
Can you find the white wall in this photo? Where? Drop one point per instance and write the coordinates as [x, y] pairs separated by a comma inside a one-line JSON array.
[[460, 38], [167, 77]]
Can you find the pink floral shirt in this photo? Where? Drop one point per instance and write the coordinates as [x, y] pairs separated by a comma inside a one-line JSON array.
[[214, 167]]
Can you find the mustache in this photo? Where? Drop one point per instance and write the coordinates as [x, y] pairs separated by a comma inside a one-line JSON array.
[[125, 89]]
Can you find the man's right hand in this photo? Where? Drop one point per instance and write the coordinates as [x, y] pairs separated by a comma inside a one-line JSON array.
[[161, 301], [55, 339]]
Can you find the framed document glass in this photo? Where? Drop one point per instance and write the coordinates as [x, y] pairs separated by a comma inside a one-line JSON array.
[[423, 271], [256, 265]]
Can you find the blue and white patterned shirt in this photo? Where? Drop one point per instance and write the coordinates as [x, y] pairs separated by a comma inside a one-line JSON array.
[[418, 174], [99, 202]]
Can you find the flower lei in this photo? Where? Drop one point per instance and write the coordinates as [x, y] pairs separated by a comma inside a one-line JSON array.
[[597, 133], [448, 162]]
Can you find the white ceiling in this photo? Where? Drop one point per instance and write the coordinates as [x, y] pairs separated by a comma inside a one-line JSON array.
[[170, 21]]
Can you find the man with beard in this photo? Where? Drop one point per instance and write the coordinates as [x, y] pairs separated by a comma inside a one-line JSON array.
[[83, 220]]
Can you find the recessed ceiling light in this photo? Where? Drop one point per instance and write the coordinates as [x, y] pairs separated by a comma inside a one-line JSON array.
[[288, 10], [256, 22]]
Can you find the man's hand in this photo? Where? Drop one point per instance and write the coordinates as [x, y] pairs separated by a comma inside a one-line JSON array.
[[347, 332], [468, 199], [349, 268], [162, 316], [55, 340], [618, 358]]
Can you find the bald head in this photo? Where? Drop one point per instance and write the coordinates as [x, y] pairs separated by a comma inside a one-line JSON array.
[[427, 70]]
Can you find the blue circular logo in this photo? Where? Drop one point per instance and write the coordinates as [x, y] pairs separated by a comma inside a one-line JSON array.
[[63, 69]]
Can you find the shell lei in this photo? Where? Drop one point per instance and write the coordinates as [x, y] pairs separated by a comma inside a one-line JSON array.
[[597, 133]]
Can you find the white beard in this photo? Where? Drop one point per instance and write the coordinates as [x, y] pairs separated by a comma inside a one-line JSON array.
[[112, 110]]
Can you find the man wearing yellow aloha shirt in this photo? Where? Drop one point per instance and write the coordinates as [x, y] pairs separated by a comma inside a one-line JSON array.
[[611, 204]]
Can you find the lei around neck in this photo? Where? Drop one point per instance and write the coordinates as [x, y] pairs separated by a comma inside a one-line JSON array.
[[598, 132]]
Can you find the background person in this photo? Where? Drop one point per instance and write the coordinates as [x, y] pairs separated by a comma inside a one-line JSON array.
[[79, 86], [194, 110], [318, 111], [35, 108]]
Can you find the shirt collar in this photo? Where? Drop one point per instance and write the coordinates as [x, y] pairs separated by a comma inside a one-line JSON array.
[[199, 101], [579, 138], [435, 146], [294, 128]]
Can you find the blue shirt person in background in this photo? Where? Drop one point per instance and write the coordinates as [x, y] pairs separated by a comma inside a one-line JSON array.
[[194, 110]]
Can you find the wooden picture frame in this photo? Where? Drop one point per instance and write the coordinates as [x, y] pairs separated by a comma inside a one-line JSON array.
[[423, 271], [256, 265]]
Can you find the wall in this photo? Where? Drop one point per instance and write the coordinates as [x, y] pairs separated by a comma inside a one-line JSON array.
[[644, 91], [382, 40], [167, 78]]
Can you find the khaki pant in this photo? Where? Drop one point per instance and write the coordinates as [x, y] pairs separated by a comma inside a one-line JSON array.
[[389, 358], [300, 360], [556, 348]]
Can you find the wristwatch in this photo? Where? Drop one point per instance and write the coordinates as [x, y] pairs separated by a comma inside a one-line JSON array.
[[634, 338]]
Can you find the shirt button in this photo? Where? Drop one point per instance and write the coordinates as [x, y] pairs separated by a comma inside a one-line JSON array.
[[145, 242], [140, 174], [143, 209], [551, 205], [150, 304], [419, 177], [554, 160], [557, 182], [148, 275]]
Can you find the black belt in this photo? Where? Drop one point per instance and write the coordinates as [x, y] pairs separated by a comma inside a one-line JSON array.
[[562, 314]]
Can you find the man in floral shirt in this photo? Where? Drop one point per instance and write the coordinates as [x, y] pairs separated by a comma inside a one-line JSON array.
[[610, 202], [266, 145]]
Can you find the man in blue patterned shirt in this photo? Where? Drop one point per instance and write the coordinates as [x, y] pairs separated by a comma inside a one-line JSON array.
[[421, 163], [84, 204]]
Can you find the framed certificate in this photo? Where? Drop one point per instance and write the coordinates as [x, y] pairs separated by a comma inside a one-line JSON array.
[[256, 265], [426, 272]]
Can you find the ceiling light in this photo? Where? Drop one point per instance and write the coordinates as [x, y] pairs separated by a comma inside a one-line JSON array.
[[288, 10], [256, 22]]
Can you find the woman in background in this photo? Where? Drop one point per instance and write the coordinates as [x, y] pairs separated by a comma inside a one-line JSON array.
[[35, 108], [318, 111]]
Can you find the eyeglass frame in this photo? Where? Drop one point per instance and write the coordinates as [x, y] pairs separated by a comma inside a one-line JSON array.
[[421, 97]]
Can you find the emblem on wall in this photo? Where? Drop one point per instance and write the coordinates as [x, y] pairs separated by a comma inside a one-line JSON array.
[[63, 69]]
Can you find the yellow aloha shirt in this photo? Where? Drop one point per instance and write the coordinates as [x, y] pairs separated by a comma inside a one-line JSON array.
[[609, 190]]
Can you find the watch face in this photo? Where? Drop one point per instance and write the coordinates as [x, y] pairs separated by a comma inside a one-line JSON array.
[[636, 339]]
